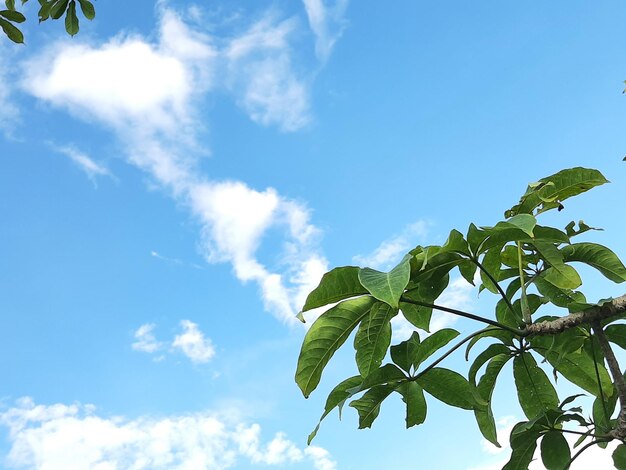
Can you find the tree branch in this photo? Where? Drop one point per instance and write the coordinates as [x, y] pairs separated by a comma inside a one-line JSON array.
[[598, 313], [618, 378]]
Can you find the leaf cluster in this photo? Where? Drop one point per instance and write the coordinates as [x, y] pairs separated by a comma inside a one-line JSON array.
[[530, 268]]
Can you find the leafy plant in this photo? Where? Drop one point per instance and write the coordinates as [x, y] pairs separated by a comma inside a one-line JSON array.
[[530, 269], [49, 9]]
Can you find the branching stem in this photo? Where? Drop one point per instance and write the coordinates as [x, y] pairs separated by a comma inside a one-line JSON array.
[[495, 283]]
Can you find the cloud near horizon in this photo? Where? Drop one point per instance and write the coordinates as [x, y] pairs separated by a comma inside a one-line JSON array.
[[74, 437]]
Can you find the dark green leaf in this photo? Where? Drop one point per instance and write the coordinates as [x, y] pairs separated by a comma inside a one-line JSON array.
[[326, 335], [11, 31], [475, 237], [387, 287], [71, 20], [388, 373], [58, 9], [373, 338], [456, 243], [403, 354], [427, 290], [336, 399], [489, 332], [602, 410], [12, 15], [616, 334], [368, 406], [449, 387], [582, 228], [87, 8], [44, 11], [555, 453], [596, 256], [413, 396], [619, 457], [338, 284], [550, 234], [523, 445], [10, 4], [535, 392], [486, 385], [432, 344], [467, 269], [491, 351]]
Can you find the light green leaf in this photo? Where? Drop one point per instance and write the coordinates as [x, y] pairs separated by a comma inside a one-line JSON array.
[[403, 354], [326, 335], [449, 387], [336, 399], [535, 392], [373, 338], [558, 296], [413, 396], [598, 257], [555, 452], [557, 188], [368, 406], [337, 284], [387, 287], [619, 457], [456, 243], [475, 237], [432, 344], [560, 274]]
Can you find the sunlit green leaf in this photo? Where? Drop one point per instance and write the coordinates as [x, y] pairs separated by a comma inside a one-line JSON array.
[[449, 387], [326, 335], [413, 396], [387, 287], [432, 344], [596, 256], [373, 337], [560, 274], [337, 284]]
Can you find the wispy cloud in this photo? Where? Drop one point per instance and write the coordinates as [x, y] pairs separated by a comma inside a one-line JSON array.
[[89, 166], [327, 21], [148, 94], [391, 251], [145, 340], [193, 343], [74, 437]]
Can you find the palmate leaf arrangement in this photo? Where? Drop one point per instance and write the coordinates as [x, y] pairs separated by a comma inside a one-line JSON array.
[[529, 267]]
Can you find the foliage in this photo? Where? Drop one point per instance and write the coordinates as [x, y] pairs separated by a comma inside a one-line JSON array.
[[530, 268], [48, 9]]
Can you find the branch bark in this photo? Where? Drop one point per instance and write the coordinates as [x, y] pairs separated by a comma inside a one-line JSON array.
[[610, 309]]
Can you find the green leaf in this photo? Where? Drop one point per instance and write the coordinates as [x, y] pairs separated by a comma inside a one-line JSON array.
[[432, 344], [467, 268], [558, 296], [619, 457], [601, 411], [12, 15], [373, 338], [71, 20], [525, 222], [491, 351], [549, 192], [87, 8], [598, 257], [387, 287], [413, 396], [486, 385], [489, 332], [326, 335], [550, 234], [58, 9], [491, 263], [403, 354], [523, 445], [336, 399], [449, 387], [534, 390], [555, 453], [616, 334], [456, 243], [582, 228], [338, 284], [11, 31], [368, 406], [44, 11], [475, 237], [389, 373], [560, 274], [10, 4], [427, 290]]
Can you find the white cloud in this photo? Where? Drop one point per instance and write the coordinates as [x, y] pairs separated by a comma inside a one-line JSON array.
[[89, 166], [145, 340], [74, 437], [193, 343], [148, 94], [326, 20], [391, 251]]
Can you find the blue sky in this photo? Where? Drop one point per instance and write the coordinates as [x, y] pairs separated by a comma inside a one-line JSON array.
[[177, 177]]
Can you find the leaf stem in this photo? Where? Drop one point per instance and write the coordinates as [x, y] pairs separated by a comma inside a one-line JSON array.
[[450, 351], [524, 301], [461, 313], [495, 283]]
